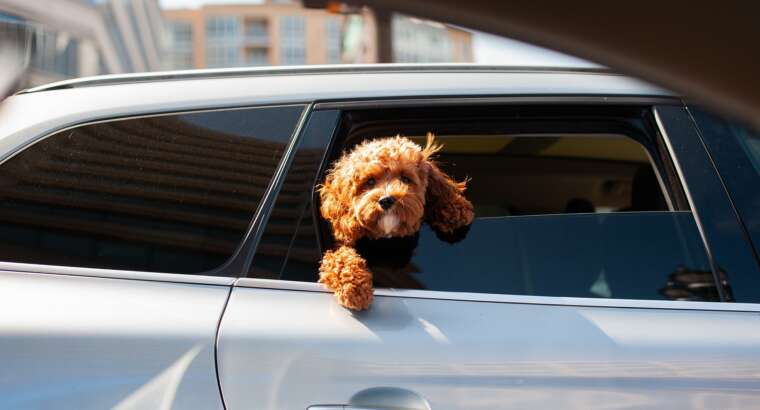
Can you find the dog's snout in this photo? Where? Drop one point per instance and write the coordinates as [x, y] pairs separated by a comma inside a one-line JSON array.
[[386, 202]]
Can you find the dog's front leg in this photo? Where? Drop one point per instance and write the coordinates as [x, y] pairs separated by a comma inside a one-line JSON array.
[[345, 272]]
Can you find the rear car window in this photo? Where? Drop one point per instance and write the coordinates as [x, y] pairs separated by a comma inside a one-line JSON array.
[[169, 193], [565, 205], [735, 150]]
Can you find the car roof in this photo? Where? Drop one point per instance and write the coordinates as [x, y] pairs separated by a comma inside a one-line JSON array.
[[325, 70], [60, 105]]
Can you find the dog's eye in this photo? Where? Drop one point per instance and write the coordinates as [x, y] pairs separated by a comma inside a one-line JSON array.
[[405, 179], [370, 182]]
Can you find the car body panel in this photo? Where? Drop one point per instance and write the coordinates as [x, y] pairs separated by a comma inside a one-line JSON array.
[[289, 345], [94, 343], [290, 349], [94, 338]]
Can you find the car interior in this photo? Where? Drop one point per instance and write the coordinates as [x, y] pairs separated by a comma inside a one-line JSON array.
[[536, 160]]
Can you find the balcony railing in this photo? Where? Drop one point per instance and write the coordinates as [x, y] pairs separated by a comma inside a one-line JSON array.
[[257, 39]]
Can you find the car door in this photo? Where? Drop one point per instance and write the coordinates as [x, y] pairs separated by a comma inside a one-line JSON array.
[[620, 307], [117, 241]]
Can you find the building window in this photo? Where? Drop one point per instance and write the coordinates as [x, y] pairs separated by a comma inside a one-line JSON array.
[[181, 37], [418, 41], [182, 33], [257, 57], [223, 41], [256, 32], [223, 29], [293, 42], [218, 57], [333, 29]]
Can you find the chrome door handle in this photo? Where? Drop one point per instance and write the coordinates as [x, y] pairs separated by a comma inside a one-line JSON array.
[[380, 398], [341, 407]]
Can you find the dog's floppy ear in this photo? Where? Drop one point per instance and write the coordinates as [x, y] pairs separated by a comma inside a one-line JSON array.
[[446, 208], [335, 206]]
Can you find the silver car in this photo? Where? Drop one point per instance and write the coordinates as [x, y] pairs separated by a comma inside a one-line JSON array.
[[161, 236]]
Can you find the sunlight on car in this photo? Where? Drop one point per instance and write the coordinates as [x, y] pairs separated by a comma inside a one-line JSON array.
[[277, 204]]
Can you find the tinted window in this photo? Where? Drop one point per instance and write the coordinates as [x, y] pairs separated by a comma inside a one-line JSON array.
[[170, 193], [288, 249], [735, 151], [632, 255]]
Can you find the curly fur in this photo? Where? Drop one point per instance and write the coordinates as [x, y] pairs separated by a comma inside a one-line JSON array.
[[348, 277], [350, 201]]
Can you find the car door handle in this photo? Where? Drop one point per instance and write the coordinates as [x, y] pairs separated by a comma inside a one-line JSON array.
[[350, 407], [343, 407], [379, 398]]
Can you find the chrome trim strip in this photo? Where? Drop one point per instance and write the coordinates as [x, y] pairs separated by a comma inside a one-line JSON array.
[[284, 285], [306, 70], [560, 99], [690, 199], [115, 274]]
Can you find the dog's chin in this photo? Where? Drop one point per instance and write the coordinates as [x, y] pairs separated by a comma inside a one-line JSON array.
[[395, 222], [391, 225], [388, 223], [383, 225]]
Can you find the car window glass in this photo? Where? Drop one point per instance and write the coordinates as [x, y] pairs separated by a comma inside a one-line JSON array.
[[631, 255], [170, 193], [288, 248], [735, 150]]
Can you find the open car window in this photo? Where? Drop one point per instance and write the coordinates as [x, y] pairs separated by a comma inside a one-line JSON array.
[[566, 204]]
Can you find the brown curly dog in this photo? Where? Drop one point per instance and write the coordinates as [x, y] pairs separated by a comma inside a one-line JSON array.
[[383, 188]]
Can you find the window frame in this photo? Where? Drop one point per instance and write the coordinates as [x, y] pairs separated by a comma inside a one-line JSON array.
[[675, 154], [226, 273]]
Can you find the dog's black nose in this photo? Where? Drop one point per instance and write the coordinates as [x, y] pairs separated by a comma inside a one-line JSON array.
[[386, 202]]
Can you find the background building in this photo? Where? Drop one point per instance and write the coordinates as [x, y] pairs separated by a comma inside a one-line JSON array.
[[285, 33], [424, 41], [273, 33], [75, 38]]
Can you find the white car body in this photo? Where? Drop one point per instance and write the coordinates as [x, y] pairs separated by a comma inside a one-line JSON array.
[[87, 338]]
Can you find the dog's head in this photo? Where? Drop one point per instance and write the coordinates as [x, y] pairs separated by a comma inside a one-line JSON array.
[[385, 188]]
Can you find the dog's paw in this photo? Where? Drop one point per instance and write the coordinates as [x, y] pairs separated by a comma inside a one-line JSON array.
[[450, 217], [354, 296], [454, 236]]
